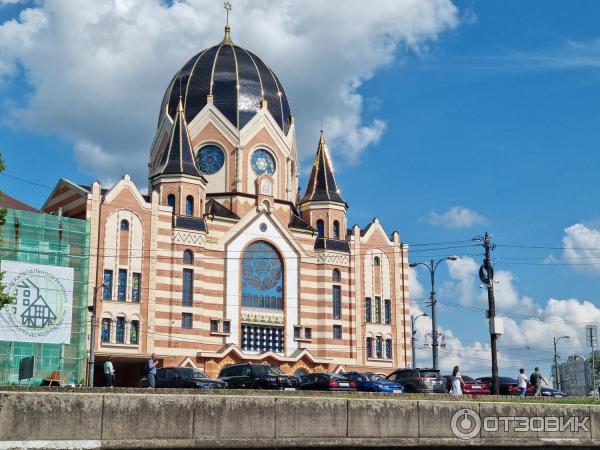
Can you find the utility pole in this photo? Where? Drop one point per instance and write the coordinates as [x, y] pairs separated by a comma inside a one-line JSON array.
[[434, 339], [556, 367], [556, 360], [486, 275], [91, 361]]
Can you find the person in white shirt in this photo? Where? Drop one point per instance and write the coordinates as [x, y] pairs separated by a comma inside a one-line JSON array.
[[522, 383], [109, 373], [457, 382]]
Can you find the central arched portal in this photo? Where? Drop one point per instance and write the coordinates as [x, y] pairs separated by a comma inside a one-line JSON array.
[[263, 302]]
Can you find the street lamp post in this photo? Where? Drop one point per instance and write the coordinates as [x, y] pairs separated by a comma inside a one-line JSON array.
[[556, 359], [91, 361], [413, 319], [432, 266]]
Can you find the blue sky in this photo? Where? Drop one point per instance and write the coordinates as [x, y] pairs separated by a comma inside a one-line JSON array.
[[496, 112]]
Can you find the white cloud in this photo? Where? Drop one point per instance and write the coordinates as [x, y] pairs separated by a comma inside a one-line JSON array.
[[98, 70], [569, 55], [463, 285], [456, 217], [415, 287], [582, 248], [10, 2]]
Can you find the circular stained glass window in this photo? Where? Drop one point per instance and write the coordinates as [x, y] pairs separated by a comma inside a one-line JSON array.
[[210, 159], [262, 162]]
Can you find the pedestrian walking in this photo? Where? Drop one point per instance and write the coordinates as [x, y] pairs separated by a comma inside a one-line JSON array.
[[151, 371], [109, 373], [522, 382], [457, 382], [537, 379]]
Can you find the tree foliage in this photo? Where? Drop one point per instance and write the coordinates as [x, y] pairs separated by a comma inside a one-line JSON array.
[[4, 297], [596, 362]]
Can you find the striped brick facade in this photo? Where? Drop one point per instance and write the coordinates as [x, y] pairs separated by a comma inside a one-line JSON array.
[[142, 239]]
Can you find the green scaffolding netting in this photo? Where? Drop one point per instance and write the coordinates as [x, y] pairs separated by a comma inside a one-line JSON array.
[[50, 240]]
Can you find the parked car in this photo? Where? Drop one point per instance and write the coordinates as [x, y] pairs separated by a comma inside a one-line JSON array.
[[257, 376], [551, 392], [507, 385], [426, 381], [184, 378], [471, 386], [326, 382], [374, 382]]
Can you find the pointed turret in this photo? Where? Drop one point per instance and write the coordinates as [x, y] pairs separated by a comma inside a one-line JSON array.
[[177, 157], [321, 184], [322, 205]]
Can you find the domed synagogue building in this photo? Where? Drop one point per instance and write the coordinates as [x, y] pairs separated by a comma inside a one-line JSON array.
[[223, 262]]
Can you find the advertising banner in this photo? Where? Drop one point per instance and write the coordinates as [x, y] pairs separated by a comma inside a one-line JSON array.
[[41, 310]]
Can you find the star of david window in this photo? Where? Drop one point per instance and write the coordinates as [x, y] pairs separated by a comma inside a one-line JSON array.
[[210, 159], [262, 162], [262, 277]]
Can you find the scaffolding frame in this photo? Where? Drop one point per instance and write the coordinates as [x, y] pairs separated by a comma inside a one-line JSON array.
[[40, 238]]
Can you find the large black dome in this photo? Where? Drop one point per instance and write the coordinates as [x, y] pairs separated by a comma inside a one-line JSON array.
[[238, 81]]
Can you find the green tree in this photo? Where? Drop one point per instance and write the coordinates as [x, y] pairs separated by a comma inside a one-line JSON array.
[[596, 363], [4, 297]]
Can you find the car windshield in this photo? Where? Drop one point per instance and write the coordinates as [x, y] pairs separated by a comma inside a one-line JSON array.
[[429, 373], [192, 373], [374, 377], [335, 376], [506, 380], [467, 378], [267, 370]]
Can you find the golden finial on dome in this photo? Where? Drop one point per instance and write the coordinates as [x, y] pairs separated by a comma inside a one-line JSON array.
[[227, 38]]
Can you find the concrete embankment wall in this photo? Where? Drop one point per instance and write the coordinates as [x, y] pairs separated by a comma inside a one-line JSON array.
[[152, 420]]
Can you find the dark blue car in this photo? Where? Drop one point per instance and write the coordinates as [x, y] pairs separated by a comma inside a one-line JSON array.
[[374, 382]]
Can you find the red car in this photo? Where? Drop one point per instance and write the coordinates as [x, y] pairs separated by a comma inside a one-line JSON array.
[[471, 386], [508, 386]]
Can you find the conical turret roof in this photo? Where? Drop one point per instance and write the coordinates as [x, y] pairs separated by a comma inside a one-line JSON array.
[[177, 157], [322, 186]]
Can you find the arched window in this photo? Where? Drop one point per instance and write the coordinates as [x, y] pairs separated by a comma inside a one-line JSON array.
[[188, 257], [388, 348], [188, 287], [337, 302], [320, 228], [171, 201], [379, 347], [262, 277], [336, 229], [262, 288], [189, 205], [120, 331], [105, 332], [124, 225], [134, 332], [335, 276], [376, 261]]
